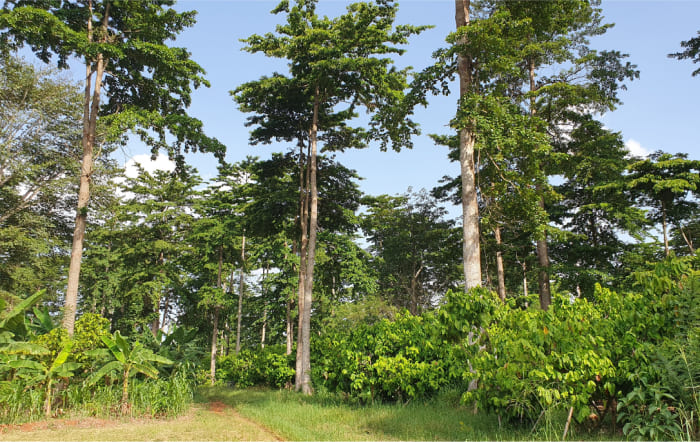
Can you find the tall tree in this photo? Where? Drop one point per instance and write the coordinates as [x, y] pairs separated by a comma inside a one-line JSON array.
[[415, 249], [155, 218], [336, 66], [146, 82], [595, 209], [467, 139], [667, 183], [39, 144]]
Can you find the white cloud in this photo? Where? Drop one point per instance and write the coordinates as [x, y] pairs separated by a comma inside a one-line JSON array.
[[161, 162], [636, 149]]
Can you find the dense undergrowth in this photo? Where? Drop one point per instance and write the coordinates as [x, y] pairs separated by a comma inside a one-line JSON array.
[[616, 363], [626, 362], [44, 373]]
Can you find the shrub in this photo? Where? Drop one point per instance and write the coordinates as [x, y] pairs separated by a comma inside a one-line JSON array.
[[270, 367], [403, 359]]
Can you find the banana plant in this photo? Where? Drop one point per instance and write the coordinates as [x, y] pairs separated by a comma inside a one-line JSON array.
[[127, 361], [39, 372], [42, 322], [13, 323]]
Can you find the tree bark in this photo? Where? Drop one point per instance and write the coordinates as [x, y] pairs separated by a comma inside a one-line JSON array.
[[214, 337], [542, 249], [90, 110], [688, 240], [499, 265], [305, 320], [304, 178], [664, 225], [215, 326], [241, 287], [470, 208], [290, 325]]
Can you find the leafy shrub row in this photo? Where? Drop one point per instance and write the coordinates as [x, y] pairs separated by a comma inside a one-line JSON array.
[[270, 367], [397, 360]]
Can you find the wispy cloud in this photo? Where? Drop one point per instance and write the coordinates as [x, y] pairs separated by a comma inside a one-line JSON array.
[[161, 162], [636, 149]]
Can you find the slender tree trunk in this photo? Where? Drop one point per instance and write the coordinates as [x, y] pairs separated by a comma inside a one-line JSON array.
[[525, 292], [290, 325], [688, 240], [215, 324], [290, 328], [499, 264], [90, 110], [241, 287], [304, 179], [664, 225], [214, 338], [542, 249], [470, 208], [265, 272], [306, 387], [166, 311]]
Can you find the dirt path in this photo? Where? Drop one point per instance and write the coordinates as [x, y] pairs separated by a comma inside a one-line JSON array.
[[212, 421]]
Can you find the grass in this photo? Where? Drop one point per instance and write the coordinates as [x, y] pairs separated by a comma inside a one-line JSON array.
[[322, 417], [256, 414]]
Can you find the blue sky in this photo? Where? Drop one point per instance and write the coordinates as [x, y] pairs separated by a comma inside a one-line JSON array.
[[659, 110]]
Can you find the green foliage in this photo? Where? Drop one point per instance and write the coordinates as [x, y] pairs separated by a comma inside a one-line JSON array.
[[90, 329], [397, 360], [692, 52], [637, 348], [535, 359], [270, 367], [12, 323], [647, 414], [127, 361], [415, 249]]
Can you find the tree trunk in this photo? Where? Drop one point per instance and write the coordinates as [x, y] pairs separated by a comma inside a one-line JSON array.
[[305, 320], [499, 265], [542, 250], [525, 293], [304, 178], [215, 326], [90, 110], [290, 328], [470, 208], [290, 325], [214, 337], [241, 287], [688, 240], [665, 229], [265, 271]]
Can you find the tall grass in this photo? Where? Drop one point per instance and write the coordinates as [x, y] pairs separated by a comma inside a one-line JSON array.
[[161, 397], [19, 403]]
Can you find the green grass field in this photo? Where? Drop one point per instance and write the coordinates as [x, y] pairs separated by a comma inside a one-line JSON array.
[[257, 414]]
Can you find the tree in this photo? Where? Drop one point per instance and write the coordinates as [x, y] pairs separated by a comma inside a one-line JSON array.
[[39, 144], [219, 236], [146, 83], [595, 210], [692, 52], [414, 248], [665, 183], [336, 66], [536, 54], [470, 209]]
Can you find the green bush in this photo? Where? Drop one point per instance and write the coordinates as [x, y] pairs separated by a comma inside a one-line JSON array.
[[398, 360], [270, 367]]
